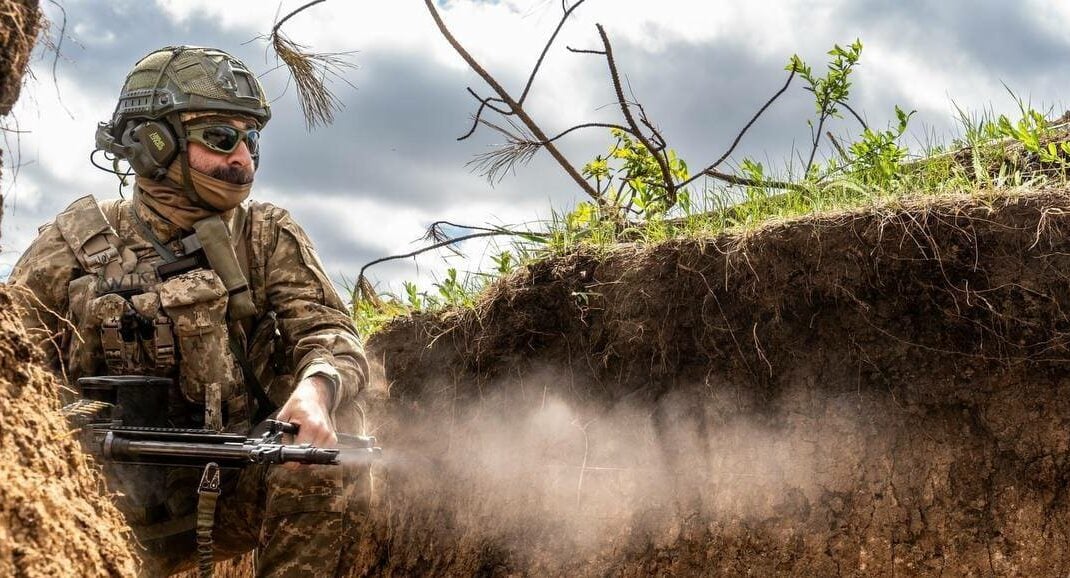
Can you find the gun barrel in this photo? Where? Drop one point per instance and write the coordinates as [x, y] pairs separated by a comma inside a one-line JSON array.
[[117, 448]]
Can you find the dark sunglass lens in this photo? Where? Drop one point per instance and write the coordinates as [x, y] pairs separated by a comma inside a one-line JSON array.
[[252, 140], [223, 138]]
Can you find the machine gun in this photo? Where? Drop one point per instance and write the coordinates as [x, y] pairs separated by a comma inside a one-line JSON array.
[[119, 422], [102, 418], [110, 441]]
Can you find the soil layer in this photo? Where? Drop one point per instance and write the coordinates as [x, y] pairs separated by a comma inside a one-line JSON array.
[[878, 392]]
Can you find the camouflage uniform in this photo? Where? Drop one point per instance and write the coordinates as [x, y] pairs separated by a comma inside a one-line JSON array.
[[302, 327], [141, 302]]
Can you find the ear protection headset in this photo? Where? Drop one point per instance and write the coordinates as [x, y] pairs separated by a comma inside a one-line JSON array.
[[150, 146]]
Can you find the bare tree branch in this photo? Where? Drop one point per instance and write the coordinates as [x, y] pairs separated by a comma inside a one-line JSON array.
[[519, 149], [310, 71], [55, 59], [817, 139], [591, 125], [538, 63], [439, 245], [488, 102], [654, 132], [738, 180], [513, 105], [585, 51], [852, 111], [435, 233], [849, 109], [477, 117], [666, 174], [739, 136], [275, 29]]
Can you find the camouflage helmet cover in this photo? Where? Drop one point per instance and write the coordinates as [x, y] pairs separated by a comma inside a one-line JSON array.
[[189, 78]]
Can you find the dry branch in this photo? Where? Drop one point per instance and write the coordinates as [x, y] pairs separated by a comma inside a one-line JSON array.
[[310, 72], [514, 106], [659, 157]]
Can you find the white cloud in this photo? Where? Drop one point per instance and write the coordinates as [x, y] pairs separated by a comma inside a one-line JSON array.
[[899, 64]]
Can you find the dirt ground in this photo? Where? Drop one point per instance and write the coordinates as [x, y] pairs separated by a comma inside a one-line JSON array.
[[55, 519]]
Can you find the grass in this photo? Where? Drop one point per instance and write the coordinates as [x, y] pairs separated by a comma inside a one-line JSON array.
[[992, 154]]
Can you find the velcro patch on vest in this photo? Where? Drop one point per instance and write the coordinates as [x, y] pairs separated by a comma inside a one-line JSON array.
[[128, 284]]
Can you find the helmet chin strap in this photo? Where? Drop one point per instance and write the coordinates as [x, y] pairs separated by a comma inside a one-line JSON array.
[[183, 159]]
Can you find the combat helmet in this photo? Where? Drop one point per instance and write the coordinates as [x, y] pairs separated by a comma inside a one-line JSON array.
[[146, 128]]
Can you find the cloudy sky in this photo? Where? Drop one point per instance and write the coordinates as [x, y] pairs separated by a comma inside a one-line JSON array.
[[370, 184]]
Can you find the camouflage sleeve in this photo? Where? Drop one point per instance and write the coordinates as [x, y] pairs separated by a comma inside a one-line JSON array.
[[41, 277], [312, 318]]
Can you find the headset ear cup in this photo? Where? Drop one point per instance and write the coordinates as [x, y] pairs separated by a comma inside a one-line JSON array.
[[152, 148]]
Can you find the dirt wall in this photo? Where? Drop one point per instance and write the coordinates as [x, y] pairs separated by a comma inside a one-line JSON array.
[[873, 393], [55, 518], [20, 23]]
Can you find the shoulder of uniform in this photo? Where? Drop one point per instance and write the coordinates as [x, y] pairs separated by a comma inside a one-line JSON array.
[[111, 209], [265, 211], [81, 220], [81, 204], [85, 211], [87, 228], [272, 218]]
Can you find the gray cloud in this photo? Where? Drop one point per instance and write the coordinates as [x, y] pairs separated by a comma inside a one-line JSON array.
[[395, 140], [1005, 38]]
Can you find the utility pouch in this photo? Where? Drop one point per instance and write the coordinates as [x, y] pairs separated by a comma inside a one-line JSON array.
[[161, 346], [196, 302], [110, 314]]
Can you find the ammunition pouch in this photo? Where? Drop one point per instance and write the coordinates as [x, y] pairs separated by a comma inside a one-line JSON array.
[[118, 332], [196, 302]]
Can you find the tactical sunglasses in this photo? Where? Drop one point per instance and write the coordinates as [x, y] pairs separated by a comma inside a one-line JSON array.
[[224, 138]]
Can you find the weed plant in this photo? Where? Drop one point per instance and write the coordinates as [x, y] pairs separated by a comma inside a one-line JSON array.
[[992, 155]]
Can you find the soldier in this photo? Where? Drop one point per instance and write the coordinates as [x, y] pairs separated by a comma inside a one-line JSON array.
[[257, 327]]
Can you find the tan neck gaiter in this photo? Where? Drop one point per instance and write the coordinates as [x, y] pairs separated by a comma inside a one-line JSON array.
[[168, 197]]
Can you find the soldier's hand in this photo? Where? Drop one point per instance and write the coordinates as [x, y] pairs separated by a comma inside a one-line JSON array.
[[308, 408]]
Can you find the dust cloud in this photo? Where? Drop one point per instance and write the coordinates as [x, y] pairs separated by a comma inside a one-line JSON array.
[[530, 469]]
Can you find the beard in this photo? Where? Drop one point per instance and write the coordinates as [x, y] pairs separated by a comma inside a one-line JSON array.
[[233, 175]]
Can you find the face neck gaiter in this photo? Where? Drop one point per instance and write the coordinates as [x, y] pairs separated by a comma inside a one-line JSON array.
[[168, 197]]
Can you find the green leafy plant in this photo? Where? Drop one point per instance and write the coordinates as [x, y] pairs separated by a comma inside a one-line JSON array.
[[877, 157], [629, 178]]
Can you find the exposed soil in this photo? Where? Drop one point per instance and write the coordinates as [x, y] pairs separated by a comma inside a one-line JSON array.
[[20, 22], [55, 519], [871, 393]]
